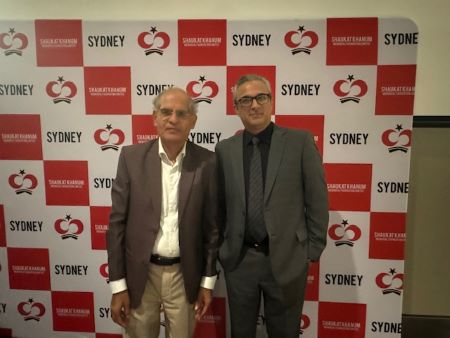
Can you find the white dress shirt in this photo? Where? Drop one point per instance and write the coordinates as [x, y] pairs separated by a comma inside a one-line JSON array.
[[167, 240]]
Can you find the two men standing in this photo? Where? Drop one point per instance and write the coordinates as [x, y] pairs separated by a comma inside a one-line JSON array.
[[268, 194]]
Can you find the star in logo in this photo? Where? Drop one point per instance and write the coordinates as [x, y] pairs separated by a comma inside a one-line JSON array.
[[22, 172], [60, 79], [68, 217], [153, 30], [350, 77], [399, 127], [109, 127], [301, 29], [392, 271], [12, 31], [344, 222], [202, 78]]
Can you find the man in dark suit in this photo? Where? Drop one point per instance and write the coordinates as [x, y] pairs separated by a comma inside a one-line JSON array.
[[163, 235], [274, 207]]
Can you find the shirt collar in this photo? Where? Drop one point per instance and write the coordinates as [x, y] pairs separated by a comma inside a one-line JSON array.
[[163, 155], [264, 136]]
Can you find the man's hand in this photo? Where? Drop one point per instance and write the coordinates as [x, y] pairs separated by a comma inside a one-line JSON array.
[[120, 308], [203, 300]]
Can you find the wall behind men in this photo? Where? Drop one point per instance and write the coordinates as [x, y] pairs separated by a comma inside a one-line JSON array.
[[432, 84]]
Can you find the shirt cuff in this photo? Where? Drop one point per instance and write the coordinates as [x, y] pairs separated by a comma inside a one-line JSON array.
[[208, 282], [118, 285]]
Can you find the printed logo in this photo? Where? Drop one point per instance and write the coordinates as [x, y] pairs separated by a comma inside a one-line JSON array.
[[397, 139], [342, 320], [349, 186], [104, 271], [301, 40], [305, 322], [2, 229], [69, 227], [59, 43], [202, 42], [13, 42], [143, 128], [350, 89], [20, 137], [395, 90], [66, 182], [352, 41], [28, 264], [344, 233], [387, 235], [153, 41], [61, 90], [212, 324], [31, 310], [109, 138], [202, 90], [99, 226], [107, 90], [313, 123], [73, 311], [390, 282], [312, 282], [23, 182]]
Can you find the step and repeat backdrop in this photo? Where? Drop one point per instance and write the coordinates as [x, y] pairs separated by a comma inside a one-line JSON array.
[[73, 92]]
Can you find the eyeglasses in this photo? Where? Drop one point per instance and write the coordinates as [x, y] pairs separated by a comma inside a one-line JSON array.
[[181, 114], [247, 101]]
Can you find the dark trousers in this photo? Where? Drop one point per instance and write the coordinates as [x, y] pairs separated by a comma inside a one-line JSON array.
[[252, 278]]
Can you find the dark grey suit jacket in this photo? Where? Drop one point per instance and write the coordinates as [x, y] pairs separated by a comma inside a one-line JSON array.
[[295, 205], [136, 210]]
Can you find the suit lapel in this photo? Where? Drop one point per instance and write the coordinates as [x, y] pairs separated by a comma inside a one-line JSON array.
[[154, 181], [188, 171], [237, 166], [275, 155]]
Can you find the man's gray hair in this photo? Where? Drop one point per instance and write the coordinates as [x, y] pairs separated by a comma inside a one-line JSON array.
[[246, 78], [192, 105]]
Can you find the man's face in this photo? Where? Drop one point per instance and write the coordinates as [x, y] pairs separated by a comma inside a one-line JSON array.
[[256, 117], [173, 120]]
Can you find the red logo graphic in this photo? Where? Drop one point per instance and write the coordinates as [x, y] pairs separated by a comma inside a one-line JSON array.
[[391, 282], [301, 40], [342, 320], [99, 226], [202, 42], [59, 43], [107, 90], [143, 128], [31, 310], [312, 282], [73, 311], [66, 182], [350, 89], [2, 229], [68, 227], [28, 269], [23, 183], [104, 271], [395, 90], [397, 139], [153, 41], [209, 89], [61, 90], [344, 234], [20, 137], [13, 43], [212, 324], [109, 138], [305, 322], [387, 235], [352, 41], [349, 186], [313, 123]]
